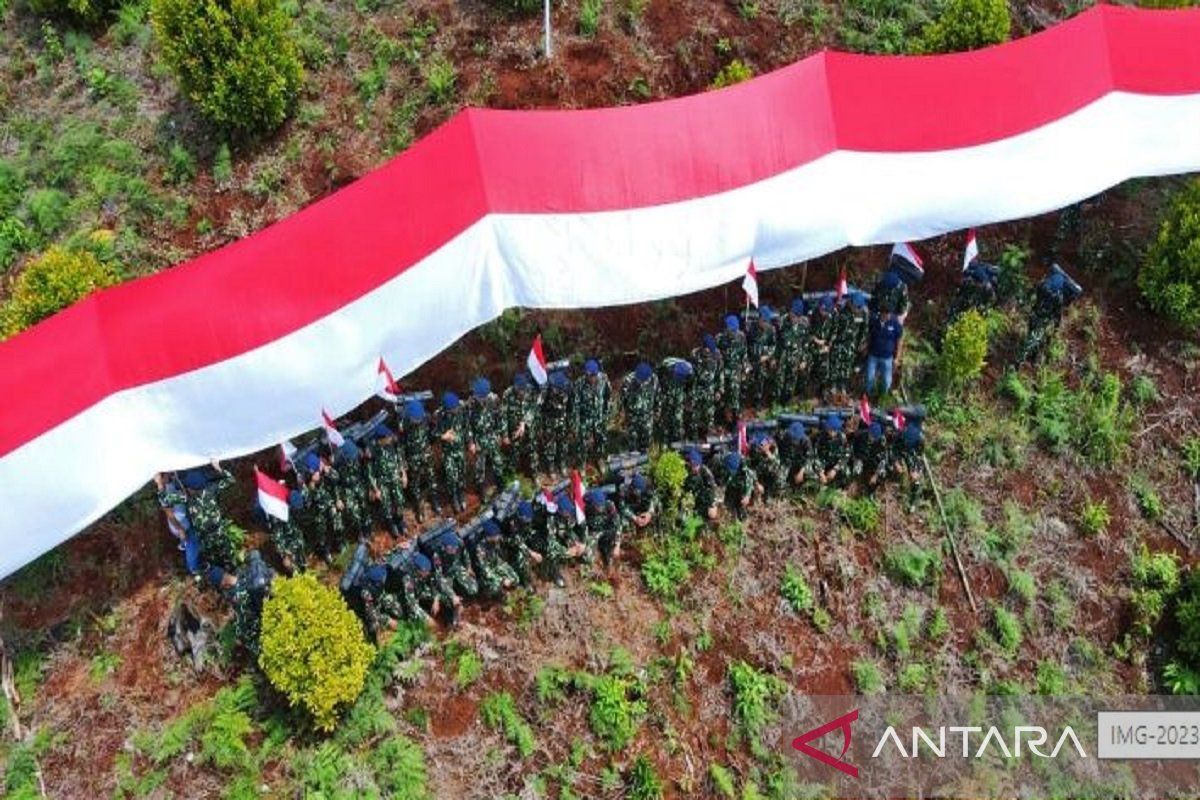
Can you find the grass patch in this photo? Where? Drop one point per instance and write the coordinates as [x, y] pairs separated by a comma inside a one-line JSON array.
[[911, 565], [499, 712]]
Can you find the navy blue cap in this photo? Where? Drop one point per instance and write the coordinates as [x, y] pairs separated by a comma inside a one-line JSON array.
[[591, 367], [421, 562], [732, 461], [796, 431], [525, 510], [710, 342], [414, 410], [798, 307], [481, 387], [643, 372], [833, 422], [732, 323], [559, 380], [449, 401], [694, 458]]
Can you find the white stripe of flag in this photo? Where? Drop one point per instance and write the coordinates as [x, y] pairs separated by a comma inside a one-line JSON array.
[[331, 432], [909, 254], [272, 495], [750, 283], [537, 361], [387, 387], [972, 251]]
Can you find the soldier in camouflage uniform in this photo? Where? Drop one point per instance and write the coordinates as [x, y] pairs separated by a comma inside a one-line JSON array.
[[1052, 298], [701, 486], [378, 608], [604, 525], [593, 404], [173, 500], [450, 558], [976, 291], [288, 537], [355, 485], [639, 399], [637, 501], [800, 464], [518, 534], [740, 483], [522, 410], [760, 349], [764, 460], [790, 353], [402, 582], [851, 333], [487, 429], [871, 455], [890, 294], [907, 461], [451, 429], [324, 498], [558, 423], [677, 379], [204, 510], [387, 475], [832, 449], [548, 540], [732, 343], [706, 388], [821, 334], [571, 532], [416, 438], [495, 575], [246, 592], [432, 590]]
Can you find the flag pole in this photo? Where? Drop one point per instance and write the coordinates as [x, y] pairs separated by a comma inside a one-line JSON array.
[[546, 8]]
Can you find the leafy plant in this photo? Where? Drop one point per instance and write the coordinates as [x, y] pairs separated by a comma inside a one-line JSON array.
[[913, 565], [1143, 390], [668, 472], [867, 677], [88, 12], [914, 678], [1007, 629], [1191, 457], [967, 25], [795, 590], [312, 647], [735, 71], [1094, 517], [862, 514], [55, 280], [616, 711], [499, 712], [400, 770], [964, 350], [589, 17], [939, 625], [722, 781], [237, 62], [1187, 616], [1170, 275], [441, 79], [1148, 501], [1051, 679], [1022, 584], [644, 783], [753, 691]]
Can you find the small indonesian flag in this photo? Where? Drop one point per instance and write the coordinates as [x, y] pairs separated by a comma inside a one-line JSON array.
[[387, 389], [743, 443], [750, 283], [864, 410], [547, 500], [287, 453], [537, 361], [972, 251], [272, 496], [577, 496], [331, 432], [909, 254], [898, 420], [841, 284]]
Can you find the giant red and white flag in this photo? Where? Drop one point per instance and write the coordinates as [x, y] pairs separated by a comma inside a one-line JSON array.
[[387, 388], [909, 254], [332, 434], [637, 204], [577, 496], [750, 283], [272, 495], [972, 251], [536, 362]]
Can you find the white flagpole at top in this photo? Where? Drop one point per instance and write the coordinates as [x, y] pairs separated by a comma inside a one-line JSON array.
[[549, 52]]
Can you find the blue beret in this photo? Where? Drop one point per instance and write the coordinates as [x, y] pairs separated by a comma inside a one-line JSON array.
[[214, 575], [732, 461], [767, 313], [591, 367], [194, 479], [643, 371], [421, 562], [681, 370], [414, 410], [450, 541], [912, 435], [833, 422], [710, 342], [796, 431], [639, 482], [558, 379], [891, 279], [827, 302], [449, 401], [296, 498], [693, 457], [382, 431], [858, 299], [875, 430], [312, 462], [1054, 282], [525, 510], [758, 439], [596, 497], [732, 323], [481, 387], [798, 307], [348, 450], [491, 528], [565, 507], [375, 575], [521, 380]]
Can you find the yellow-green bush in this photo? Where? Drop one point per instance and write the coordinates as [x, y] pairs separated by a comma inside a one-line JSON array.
[[735, 71], [312, 648], [668, 473], [1170, 276], [236, 60], [964, 350], [50, 283], [89, 12], [967, 25]]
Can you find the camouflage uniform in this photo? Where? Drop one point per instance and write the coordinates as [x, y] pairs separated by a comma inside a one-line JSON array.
[[593, 398], [1045, 316], [518, 533], [740, 481], [288, 537], [976, 291], [386, 472], [764, 460], [487, 429], [706, 385], [732, 343], [377, 606], [636, 497], [557, 428], [831, 447], [852, 335], [430, 585], [450, 558], [790, 354], [797, 455], [324, 495], [246, 598], [908, 460], [355, 487], [495, 575], [604, 525], [890, 294], [760, 347], [452, 431], [415, 438], [821, 331], [548, 540], [639, 398], [212, 529], [677, 377], [522, 410], [871, 455], [701, 486]]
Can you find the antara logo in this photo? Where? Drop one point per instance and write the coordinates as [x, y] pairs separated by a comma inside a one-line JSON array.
[[801, 743]]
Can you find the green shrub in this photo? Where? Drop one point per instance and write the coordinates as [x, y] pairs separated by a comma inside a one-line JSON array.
[[1170, 275], [312, 648], [1155, 580], [644, 784], [1051, 679], [88, 12], [1013, 282], [735, 71], [181, 166], [964, 350], [237, 62], [48, 211], [1023, 585], [795, 590], [753, 692], [441, 79], [1187, 616], [15, 239], [668, 472], [967, 25], [1007, 629], [499, 712], [589, 17], [616, 710], [723, 782], [861, 513], [1103, 424], [1148, 501], [53, 281], [1181, 679], [1143, 391], [1191, 457], [882, 26], [939, 625], [912, 565], [867, 677], [400, 771], [1094, 517], [914, 679]]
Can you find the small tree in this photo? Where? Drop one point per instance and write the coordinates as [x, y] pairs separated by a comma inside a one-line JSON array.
[[669, 472], [236, 60], [967, 25], [964, 350], [55, 280], [312, 647], [1170, 276]]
